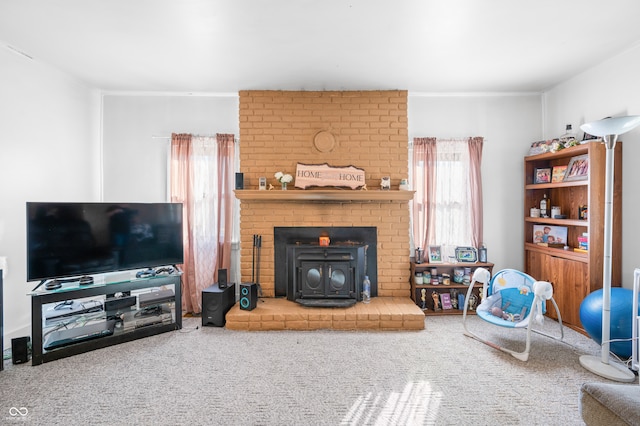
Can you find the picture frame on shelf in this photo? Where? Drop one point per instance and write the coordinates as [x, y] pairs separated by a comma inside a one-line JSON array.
[[557, 174], [542, 175], [435, 254], [466, 254], [549, 235], [578, 168], [540, 147]]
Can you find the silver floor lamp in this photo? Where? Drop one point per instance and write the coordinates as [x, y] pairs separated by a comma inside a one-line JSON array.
[[609, 129]]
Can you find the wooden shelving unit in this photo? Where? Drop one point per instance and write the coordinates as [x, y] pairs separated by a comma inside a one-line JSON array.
[[443, 268], [573, 274]]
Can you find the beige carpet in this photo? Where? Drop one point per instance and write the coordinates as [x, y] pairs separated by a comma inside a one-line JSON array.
[[212, 375]]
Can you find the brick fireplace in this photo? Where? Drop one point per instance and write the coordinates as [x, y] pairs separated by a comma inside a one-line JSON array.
[[277, 130], [369, 130]]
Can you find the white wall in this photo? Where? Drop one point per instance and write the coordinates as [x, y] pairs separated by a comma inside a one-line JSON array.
[[52, 151], [608, 89], [509, 124], [134, 161], [50, 142]]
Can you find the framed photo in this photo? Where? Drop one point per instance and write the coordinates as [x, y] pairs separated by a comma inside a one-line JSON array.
[[578, 168], [542, 175], [435, 254], [540, 147], [466, 254], [557, 175], [547, 234]]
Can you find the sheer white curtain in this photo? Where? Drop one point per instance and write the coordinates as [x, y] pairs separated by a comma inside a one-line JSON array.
[[201, 178], [447, 207], [204, 213], [453, 218]]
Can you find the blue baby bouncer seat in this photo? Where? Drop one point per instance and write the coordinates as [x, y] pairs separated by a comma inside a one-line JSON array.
[[514, 300]]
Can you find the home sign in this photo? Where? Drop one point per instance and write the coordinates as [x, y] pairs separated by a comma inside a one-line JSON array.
[[325, 175]]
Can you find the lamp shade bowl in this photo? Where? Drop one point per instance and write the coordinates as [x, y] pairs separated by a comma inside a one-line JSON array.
[[611, 126]]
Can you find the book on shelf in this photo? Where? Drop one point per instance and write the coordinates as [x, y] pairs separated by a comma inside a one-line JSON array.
[[445, 299], [583, 242]]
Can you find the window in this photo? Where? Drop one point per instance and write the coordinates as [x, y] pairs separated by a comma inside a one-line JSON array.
[[444, 209]]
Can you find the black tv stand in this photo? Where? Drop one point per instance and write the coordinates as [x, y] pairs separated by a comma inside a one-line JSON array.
[[167, 321]]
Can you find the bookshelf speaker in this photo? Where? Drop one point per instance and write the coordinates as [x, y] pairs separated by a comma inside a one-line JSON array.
[[239, 180], [248, 296], [222, 278]]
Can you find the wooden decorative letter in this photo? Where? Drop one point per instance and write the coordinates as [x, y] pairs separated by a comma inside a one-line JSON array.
[[324, 175]]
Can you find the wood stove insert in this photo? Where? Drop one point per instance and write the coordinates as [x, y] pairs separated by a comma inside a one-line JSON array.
[[326, 276], [335, 272]]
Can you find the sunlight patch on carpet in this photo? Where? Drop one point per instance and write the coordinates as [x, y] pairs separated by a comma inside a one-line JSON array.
[[418, 403]]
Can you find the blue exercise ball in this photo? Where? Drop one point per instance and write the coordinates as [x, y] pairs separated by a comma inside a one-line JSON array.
[[621, 319]]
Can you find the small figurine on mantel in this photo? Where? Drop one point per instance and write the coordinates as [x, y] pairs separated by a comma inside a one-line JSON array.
[[423, 298], [385, 183]]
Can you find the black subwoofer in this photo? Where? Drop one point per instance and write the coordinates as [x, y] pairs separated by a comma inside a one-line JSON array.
[[216, 302], [248, 296]]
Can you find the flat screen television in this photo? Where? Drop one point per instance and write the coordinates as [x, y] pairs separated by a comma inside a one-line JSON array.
[[78, 239]]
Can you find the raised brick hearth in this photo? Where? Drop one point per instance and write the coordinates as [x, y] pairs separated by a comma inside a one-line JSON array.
[[383, 313]]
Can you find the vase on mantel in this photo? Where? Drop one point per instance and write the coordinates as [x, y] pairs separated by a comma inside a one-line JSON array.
[[284, 186]]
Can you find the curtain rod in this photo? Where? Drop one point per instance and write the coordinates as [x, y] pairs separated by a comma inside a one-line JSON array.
[[169, 137]]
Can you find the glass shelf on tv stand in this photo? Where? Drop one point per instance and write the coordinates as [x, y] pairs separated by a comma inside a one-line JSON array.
[[102, 280]]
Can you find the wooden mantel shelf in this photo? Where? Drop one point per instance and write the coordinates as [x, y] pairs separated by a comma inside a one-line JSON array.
[[323, 195]]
